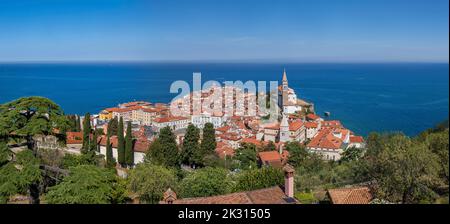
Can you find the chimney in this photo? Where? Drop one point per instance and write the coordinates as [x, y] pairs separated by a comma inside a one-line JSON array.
[[169, 196], [289, 180]]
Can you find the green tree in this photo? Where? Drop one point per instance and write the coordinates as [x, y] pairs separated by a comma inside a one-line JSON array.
[[438, 143], [110, 161], [20, 176], [259, 178], [297, 153], [206, 182], [151, 181], [88, 184], [208, 143], [94, 142], [404, 171], [86, 133], [270, 146], [246, 156], [164, 150], [113, 126], [351, 154], [77, 123], [72, 160], [129, 154], [5, 153], [73, 123], [26, 117], [191, 146], [120, 144]]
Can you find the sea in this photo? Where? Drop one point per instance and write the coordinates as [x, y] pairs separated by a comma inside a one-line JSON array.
[[381, 97]]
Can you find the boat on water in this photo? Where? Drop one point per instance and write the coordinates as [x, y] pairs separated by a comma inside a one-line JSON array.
[[327, 113]]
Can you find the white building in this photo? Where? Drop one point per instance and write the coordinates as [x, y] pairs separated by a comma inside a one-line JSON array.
[[175, 123], [140, 147], [287, 99], [284, 129], [200, 120]]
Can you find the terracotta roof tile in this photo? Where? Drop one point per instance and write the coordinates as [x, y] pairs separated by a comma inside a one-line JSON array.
[[355, 195], [294, 126], [272, 195], [312, 116], [356, 139], [74, 137], [269, 156], [311, 125]]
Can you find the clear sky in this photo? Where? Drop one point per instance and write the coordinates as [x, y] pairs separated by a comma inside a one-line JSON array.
[[261, 30]]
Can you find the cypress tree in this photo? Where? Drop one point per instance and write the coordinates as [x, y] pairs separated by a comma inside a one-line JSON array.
[[191, 146], [109, 155], [94, 143], [121, 143], [208, 144], [86, 132], [164, 150], [113, 126], [77, 123], [129, 155]]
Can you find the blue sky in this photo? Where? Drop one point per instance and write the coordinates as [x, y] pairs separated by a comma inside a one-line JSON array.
[[247, 30]]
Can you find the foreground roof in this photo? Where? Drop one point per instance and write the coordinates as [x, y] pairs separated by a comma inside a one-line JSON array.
[[272, 195]]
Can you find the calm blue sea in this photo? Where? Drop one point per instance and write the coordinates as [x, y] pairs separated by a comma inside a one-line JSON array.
[[365, 97]]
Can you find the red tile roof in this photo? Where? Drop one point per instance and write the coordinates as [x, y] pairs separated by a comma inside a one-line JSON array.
[[272, 195], [325, 139], [355, 195], [141, 145], [113, 140], [223, 129], [230, 137], [311, 125], [74, 137], [223, 150], [273, 126], [270, 157], [113, 109], [332, 124], [136, 103], [356, 139], [312, 116], [294, 126], [253, 141]]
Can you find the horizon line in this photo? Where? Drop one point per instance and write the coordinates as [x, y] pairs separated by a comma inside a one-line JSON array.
[[256, 61]]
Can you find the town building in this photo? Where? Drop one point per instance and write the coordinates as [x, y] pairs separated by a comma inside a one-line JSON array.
[[200, 120], [330, 143], [175, 123], [140, 147]]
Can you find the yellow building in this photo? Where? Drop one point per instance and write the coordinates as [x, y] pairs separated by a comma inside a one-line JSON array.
[[107, 114]]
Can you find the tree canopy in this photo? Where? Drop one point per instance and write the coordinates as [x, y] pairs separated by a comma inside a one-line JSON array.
[[190, 149], [88, 184], [259, 178], [246, 156], [208, 143], [30, 116], [164, 150], [206, 182], [151, 181]]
